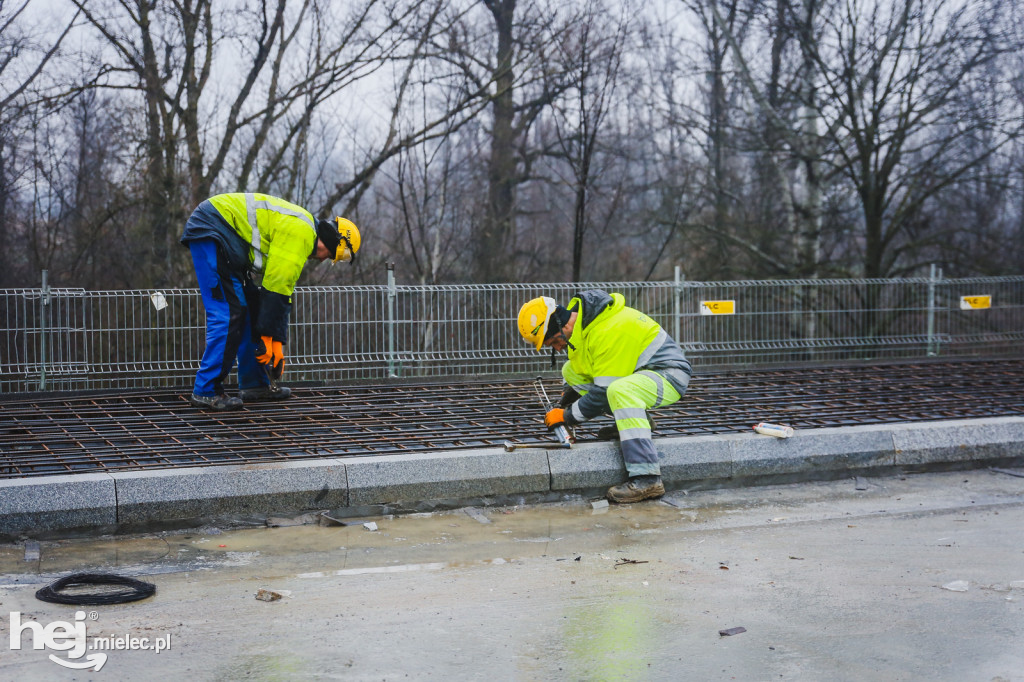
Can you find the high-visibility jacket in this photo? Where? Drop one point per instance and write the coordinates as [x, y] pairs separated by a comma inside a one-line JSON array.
[[280, 235], [611, 340], [263, 234]]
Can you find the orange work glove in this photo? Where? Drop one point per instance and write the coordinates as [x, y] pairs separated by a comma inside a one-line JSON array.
[[278, 366], [270, 352], [554, 418]]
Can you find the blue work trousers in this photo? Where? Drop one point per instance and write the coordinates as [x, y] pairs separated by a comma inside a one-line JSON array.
[[228, 327]]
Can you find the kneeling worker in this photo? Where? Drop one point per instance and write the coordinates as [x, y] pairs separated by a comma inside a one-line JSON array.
[[621, 362], [232, 236]]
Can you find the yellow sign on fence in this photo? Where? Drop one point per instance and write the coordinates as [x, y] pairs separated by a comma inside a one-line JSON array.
[[975, 302], [718, 307]]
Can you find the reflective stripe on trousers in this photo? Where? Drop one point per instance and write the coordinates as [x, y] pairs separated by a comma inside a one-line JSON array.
[[630, 398], [627, 399]]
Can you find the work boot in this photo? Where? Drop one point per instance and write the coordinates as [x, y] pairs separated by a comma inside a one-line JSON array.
[[217, 403], [254, 395], [637, 488]]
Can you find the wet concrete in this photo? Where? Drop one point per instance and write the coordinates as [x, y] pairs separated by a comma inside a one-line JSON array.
[[829, 582]]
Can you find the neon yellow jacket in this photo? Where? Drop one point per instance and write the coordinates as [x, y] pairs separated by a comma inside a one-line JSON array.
[[280, 234], [610, 340]]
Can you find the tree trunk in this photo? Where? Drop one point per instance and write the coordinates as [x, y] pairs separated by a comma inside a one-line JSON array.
[[155, 205], [5, 265], [492, 241]]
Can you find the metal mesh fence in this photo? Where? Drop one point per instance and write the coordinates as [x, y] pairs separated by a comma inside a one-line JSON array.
[[341, 333], [72, 339], [790, 321]]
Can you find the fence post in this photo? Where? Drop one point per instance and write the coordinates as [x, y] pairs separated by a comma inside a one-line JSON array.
[[677, 305], [933, 279], [44, 299], [392, 293]]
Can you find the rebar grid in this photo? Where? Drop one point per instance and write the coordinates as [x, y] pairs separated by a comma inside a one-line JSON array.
[[48, 435]]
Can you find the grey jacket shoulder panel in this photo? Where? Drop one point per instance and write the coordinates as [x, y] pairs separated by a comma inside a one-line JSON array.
[[593, 302]]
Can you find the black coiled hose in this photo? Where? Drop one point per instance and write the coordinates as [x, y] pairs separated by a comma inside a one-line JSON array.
[[114, 589]]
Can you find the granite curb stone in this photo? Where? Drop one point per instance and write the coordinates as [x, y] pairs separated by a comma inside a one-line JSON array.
[[585, 466], [128, 499], [193, 492], [958, 441], [448, 475], [32, 505], [696, 458], [809, 451]]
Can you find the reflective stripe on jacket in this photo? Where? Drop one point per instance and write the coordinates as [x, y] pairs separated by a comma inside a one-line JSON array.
[[280, 235]]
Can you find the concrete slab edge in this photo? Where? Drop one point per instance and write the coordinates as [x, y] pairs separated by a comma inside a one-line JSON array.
[[33, 506]]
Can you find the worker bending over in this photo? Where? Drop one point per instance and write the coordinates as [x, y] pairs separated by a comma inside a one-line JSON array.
[[621, 362], [232, 237]]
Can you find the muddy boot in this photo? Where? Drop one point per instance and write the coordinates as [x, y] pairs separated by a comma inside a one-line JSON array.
[[637, 488], [217, 403], [252, 395]]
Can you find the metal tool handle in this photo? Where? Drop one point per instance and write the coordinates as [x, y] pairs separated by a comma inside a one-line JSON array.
[[563, 436], [560, 432]]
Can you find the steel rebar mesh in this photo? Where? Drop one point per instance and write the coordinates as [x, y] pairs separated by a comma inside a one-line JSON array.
[[49, 434]]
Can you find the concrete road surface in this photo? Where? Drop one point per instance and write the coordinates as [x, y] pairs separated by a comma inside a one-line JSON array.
[[907, 578]]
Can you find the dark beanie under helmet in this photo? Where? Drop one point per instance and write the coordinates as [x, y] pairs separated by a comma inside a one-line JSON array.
[[327, 232], [558, 320]]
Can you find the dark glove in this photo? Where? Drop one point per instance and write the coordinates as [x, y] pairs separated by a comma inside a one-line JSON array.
[[554, 418], [271, 354], [569, 396]]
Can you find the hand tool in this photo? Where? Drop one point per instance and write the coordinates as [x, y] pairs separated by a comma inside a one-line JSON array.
[[270, 355], [510, 446], [560, 431], [274, 375]]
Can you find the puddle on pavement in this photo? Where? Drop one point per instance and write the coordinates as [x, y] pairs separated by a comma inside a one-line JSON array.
[[416, 541], [400, 543], [404, 568]]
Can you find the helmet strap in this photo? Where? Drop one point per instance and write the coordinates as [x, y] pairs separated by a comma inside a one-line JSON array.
[[567, 342], [348, 245]]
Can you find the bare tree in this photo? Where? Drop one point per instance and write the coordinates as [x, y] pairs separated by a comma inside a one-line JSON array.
[[788, 118], [511, 60], [591, 52], [895, 91], [253, 107], [877, 83], [427, 189], [25, 53]]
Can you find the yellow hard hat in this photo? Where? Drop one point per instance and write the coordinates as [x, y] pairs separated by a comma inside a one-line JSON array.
[[348, 247], [533, 319]]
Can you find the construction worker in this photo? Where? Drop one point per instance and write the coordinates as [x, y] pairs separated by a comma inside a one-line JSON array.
[[621, 362], [231, 237]]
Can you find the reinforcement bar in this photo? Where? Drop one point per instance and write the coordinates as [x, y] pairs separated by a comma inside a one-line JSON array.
[[48, 434]]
